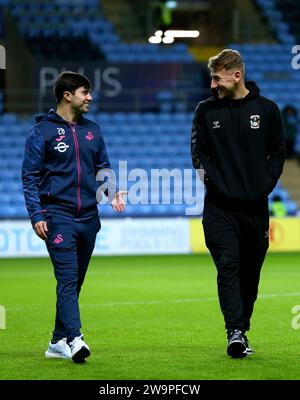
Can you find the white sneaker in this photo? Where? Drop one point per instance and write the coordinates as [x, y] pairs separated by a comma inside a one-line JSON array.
[[79, 349], [59, 350]]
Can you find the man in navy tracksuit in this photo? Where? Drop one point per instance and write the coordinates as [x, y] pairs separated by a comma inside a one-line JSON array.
[[238, 143], [63, 154]]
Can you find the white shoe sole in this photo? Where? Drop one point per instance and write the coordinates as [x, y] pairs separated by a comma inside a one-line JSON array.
[[55, 355], [249, 352]]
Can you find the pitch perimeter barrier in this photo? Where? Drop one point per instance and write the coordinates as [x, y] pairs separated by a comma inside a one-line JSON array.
[[142, 236]]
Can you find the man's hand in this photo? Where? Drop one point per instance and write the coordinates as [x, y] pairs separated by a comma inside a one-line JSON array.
[[41, 229], [118, 203]]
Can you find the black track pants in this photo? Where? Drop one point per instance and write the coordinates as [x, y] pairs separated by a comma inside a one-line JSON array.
[[238, 241]]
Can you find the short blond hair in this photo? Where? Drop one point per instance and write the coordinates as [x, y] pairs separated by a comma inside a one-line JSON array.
[[227, 59]]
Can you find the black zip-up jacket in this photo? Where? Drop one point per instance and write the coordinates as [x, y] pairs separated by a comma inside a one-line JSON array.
[[240, 146]]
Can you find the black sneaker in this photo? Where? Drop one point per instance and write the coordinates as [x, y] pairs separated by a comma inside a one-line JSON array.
[[249, 349], [79, 350], [236, 347]]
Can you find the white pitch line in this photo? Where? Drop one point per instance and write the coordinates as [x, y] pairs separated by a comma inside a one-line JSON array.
[[155, 302], [263, 296], [175, 301], [150, 302]]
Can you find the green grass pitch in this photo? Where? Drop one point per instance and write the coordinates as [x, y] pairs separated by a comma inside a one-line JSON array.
[[146, 317]]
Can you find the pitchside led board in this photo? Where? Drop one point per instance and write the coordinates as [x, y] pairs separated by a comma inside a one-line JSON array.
[[137, 236]]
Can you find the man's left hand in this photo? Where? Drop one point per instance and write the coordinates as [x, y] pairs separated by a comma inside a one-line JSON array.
[[118, 203]]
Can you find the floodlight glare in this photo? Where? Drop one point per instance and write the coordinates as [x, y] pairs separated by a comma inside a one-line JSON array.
[[154, 39], [182, 33], [168, 39], [171, 4]]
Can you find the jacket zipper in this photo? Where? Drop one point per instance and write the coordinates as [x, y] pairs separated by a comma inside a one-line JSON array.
[[78, 166]]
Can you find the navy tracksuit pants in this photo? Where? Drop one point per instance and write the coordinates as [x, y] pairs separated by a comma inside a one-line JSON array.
[[237, 238], [70, 245]]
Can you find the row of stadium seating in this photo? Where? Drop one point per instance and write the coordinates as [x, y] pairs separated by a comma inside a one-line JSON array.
[[43, 26], [276, 22], [291, 15], [142, 144]]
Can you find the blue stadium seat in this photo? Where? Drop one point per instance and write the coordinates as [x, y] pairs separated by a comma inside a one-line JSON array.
[[7, 211], [291, 207], [8, 118]]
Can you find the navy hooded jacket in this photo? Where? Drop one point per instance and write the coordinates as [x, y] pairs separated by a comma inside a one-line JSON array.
[[60, 165]]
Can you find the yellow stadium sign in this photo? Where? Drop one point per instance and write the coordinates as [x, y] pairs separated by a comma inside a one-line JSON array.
[[284, 235], [197, 239]]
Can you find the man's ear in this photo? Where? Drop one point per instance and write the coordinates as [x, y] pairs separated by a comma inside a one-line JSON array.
[[67, 96], [237, 76]]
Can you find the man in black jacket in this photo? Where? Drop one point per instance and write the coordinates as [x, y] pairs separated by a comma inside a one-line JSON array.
[[238, 148]]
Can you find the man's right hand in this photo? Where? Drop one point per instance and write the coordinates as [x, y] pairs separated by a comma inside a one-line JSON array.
[[41, 229]]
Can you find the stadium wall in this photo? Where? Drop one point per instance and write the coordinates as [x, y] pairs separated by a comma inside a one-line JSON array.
[[142, 236]]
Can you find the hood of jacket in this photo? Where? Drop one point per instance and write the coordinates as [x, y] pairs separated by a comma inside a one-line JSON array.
[[52, 116], [237, 103], [254, 91]]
